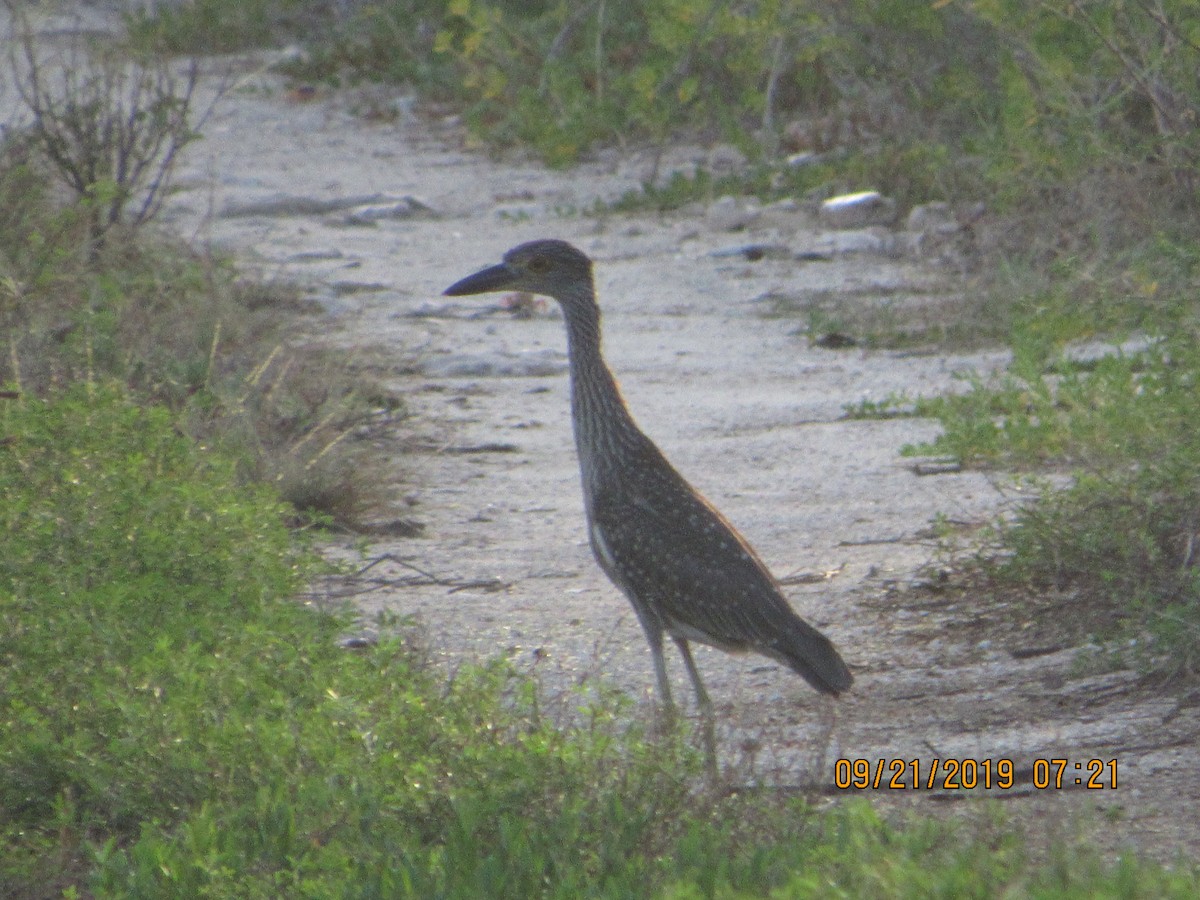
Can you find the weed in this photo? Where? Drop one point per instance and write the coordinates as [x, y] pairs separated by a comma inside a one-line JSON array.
[[109, 126], [187, 331], [1123, 534], [222, 26], [893, 406]]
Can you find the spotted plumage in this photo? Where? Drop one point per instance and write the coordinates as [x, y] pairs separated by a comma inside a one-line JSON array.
[[687, 572]]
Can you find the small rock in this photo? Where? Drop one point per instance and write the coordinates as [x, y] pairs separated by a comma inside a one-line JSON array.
[[937, 216], [937, 467], [813, 256], [942, 233], [1034, 652], [845, 243], [358, 642], [857, 210], [316, 255], [732, 213], [398, 527], [287, 53], [301, 93], [753, 252], [835, 340], [405, 208], [726, 158], [464, 365]]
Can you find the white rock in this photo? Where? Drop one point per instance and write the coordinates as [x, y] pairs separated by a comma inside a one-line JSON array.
[[858, 210]]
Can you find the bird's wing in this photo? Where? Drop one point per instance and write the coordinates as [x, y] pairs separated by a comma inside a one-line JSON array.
[[683, 559]]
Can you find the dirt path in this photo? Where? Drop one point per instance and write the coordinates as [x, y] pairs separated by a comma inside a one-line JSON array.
[[746, 409]]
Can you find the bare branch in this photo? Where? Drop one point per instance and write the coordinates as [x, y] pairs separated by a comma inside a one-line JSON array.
[[110, 126]]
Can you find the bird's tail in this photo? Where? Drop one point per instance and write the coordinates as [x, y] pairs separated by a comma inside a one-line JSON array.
[[812, 655]]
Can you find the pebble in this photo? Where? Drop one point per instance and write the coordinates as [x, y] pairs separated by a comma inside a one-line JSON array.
[[753, 252], [494, 365], [733, 213], [858, 210], [405, 208]]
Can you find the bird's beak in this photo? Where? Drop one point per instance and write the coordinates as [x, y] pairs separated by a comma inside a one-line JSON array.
[[495, 278]]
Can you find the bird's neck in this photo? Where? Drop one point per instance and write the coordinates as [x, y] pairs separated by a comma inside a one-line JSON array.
[[604, 429]]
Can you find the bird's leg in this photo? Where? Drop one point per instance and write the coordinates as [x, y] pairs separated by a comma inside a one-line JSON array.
[[666, 712], [827, 743], [702, 698], [704, 702], [654, 637]]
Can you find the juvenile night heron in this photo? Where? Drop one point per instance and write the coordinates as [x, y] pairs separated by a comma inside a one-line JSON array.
[[685, 569]]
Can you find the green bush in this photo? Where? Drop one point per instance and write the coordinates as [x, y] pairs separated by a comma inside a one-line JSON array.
[[171, 724], [1096, 80], [1080, 122], [190, 332], [1011, 99], [167, 707], [1123, 534], [562, 79], [222, 26], [130, 558]]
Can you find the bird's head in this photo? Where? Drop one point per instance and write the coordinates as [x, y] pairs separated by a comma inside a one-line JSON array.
[[549, 267]]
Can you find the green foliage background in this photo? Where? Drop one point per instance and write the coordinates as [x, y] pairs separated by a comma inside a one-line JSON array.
[[1025, 95]]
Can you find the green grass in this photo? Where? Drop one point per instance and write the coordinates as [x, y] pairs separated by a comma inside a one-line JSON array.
[[221, 26], [174, 725], [189, 331], [1122, 534], [172, 722]]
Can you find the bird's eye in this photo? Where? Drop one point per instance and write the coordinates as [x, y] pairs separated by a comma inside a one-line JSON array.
[[539, 264]]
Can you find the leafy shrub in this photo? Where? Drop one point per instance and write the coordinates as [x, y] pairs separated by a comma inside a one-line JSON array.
[[222, 26], [1094, 80], [1011, 99], [1124, 533], [160, 692], [128, 551], [162, 697], [184, 330], [172, 725], [562, 79]]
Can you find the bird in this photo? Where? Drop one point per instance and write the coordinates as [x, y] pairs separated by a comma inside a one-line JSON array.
[[685, 569]]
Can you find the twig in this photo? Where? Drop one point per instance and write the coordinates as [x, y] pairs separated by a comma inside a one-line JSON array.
[[768, 119], [424, 578], [560, 41], [1161, 98]]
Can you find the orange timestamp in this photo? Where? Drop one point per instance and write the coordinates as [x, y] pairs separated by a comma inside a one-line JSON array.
[[955, 774]]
